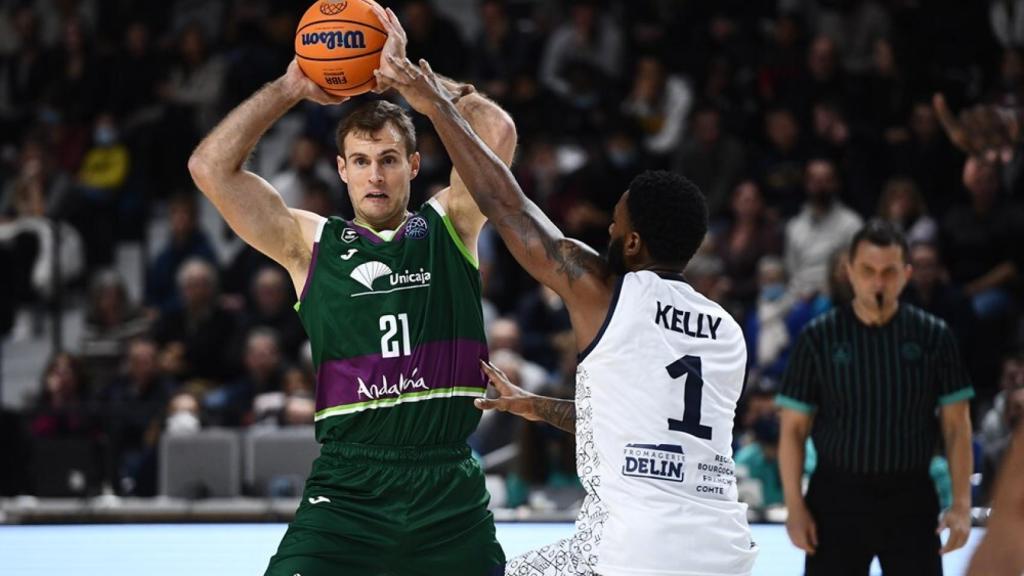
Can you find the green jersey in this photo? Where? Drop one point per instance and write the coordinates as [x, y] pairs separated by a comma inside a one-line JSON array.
[[397, 332]]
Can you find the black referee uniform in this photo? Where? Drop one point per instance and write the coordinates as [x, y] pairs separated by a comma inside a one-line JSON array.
[[874, 392]]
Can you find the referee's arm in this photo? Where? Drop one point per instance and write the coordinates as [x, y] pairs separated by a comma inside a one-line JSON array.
[[798, 399], [955, 417]]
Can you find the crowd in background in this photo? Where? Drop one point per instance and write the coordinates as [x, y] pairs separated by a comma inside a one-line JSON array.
[[799, 119]]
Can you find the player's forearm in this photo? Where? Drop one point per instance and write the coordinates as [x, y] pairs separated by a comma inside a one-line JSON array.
[[227, 147], [557, 412], [488, 179], [958, 452]]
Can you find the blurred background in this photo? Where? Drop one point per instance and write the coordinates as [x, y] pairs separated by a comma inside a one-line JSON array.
[[145, 352]]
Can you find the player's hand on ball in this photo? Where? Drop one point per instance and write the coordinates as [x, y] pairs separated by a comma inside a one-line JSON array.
[[297, 83], [393, 46], [511, 399], [420, 87]]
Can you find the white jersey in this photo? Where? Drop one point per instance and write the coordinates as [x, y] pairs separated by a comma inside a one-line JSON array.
[[656, 395]]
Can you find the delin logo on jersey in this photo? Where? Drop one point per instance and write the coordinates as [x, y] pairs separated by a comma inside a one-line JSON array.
[[656, 461], [368, 272]]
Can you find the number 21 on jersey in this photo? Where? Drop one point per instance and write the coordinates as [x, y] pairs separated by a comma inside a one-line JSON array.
[[395, 341]]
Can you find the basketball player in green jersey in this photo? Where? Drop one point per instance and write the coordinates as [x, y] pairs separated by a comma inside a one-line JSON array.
[[391, 303]]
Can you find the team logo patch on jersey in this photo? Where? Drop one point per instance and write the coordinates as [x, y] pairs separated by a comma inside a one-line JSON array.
[[416, 228], [656, 461], [368, 273], [911, 351], [349, 235], [841, 354]]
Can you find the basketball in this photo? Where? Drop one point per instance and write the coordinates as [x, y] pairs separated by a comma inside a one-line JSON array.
[[338, 45]]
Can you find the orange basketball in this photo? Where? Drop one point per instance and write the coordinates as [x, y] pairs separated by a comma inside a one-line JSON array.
[[338, 45]]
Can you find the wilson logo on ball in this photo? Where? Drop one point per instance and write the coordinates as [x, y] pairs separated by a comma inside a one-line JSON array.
[[335, 39], [333, 8]]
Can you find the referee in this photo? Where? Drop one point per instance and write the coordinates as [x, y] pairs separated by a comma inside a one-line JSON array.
[[866, 380]]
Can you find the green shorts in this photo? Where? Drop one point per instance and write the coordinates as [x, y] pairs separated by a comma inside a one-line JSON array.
[[387, 511]]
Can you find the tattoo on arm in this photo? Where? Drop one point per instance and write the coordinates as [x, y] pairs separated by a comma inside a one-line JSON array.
[[571, 260], [558, 413]]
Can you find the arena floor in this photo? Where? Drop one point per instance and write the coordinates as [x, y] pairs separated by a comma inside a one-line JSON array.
[[243, 549]]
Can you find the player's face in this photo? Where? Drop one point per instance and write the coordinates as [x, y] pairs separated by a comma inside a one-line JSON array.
[[378, 172], [878, 274]]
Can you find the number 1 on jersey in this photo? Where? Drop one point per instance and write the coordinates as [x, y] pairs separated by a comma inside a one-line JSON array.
[[389, 323], [692, 396]]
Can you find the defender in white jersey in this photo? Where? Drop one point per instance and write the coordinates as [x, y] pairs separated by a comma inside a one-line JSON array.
[[661, 367]]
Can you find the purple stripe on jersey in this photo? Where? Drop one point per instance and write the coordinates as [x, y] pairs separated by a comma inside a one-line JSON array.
[[309, 273], [431, 366]]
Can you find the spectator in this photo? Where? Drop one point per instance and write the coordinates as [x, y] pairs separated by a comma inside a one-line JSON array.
[[750, 233], [132, 408], [306, 162], [434, 37], [504, 334], [187, 241], [184, 413], [824, 225], [903, 205], [659, 102], [1001, 420], [502, 49], [770, 327], [781, 163], [712, 159], [982, 242], [101, 180], [922, 153], [62, 410], [23, 75], [590, 37], [44, 244], [759, 461], [545, 328], [192, 338], [232, 405], [930, 290], [111, 320], [271, 302], [706, 273]]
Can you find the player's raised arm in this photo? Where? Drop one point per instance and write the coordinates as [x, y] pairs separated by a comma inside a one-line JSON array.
[[492, 124], [253, 209], [568, 266]]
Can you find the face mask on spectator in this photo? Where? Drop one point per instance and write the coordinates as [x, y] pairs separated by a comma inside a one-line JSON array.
[[773, 292], [104, 136], [182, 422]]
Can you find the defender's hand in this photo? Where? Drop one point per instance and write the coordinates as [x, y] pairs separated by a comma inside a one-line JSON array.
[[297, 84], [511, 399], [420, 87], [394, 46]]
